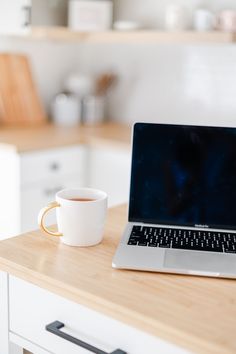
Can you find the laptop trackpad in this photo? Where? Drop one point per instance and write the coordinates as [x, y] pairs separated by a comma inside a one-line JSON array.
[[200, 261]]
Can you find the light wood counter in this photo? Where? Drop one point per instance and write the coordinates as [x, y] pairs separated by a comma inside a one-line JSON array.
[[40, 137], [196, 313]]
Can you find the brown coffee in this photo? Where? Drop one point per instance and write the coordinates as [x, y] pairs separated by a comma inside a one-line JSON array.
[[82, 200]]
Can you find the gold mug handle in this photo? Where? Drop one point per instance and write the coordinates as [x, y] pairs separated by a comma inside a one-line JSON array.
[[41, 217]]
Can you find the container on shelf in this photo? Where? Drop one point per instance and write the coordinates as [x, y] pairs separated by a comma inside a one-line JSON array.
[[90, 15], [226, 21], [203, 20], [176, 18]]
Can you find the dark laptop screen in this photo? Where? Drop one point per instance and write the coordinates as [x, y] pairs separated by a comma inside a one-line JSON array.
[[183, 175]]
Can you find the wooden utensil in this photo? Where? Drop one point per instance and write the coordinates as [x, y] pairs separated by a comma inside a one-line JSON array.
[[104, 82], [19, 100]]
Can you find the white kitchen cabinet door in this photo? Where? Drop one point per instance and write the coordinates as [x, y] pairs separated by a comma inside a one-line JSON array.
[[36, 197], [109, 170], [43, 174], [46, 165], [30, 180], [31, 309], [12, 16]]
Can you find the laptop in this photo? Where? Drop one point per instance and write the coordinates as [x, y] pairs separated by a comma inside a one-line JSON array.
[[182, 203]]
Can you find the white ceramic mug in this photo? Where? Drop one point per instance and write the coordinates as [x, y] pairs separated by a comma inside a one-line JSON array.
[[81, 216], [176, 18], [203, 20], [226, 21]]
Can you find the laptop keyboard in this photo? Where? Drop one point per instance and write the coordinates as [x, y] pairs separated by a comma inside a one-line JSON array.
[[195, 240]]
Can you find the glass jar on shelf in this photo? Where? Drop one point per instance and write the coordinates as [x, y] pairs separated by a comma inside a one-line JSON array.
[[90, 15]]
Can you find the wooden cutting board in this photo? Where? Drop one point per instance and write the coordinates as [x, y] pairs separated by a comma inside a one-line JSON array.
[[19, 100]]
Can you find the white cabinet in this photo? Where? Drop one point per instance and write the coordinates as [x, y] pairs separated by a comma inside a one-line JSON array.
[[47, 165], [43, 174], [32, 308], [30, 181], [33, 198], [109, 170], [12, 16]]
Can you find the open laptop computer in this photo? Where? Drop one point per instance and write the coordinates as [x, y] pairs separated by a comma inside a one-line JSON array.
[[182, 206]]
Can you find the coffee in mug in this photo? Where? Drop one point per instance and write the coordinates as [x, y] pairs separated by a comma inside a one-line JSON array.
[[81, 216]]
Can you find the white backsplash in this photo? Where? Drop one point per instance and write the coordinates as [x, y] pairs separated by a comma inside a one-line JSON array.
[[189, 84]]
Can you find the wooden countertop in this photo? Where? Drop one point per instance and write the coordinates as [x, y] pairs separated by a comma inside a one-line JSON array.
[[198, 314], [24, 139]]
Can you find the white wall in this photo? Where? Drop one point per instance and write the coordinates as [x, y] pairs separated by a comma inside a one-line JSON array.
[[190, 84], [156, 82]]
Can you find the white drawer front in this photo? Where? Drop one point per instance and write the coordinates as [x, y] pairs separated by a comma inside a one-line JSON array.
[[32, 308], [46, 165]]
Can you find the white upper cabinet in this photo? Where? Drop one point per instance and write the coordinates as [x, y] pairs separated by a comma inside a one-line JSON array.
[[14, 16]]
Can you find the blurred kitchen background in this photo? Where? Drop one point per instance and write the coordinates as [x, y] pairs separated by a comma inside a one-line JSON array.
[[156, 81], [116, 62]]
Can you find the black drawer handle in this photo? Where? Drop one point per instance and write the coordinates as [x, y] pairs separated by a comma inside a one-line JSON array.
[[55, 327]]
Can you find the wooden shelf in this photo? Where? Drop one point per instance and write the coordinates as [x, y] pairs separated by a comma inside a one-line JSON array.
[[142, 36]]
